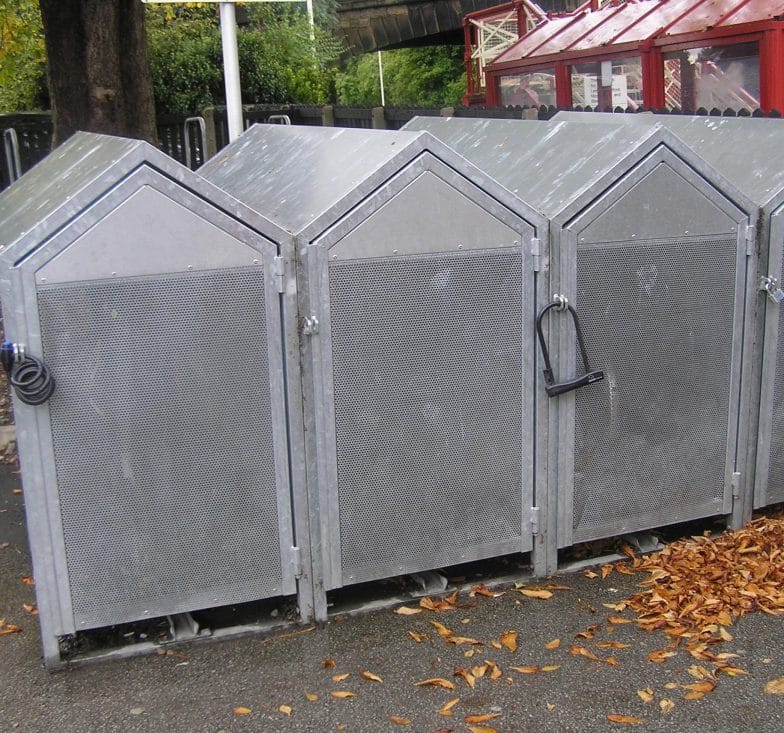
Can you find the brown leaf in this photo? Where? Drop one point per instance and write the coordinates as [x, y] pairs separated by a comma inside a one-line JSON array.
[[702, 687], [482, 590], [466, 675], [416, 636], [645, 695], [554, 644], [495, 670], [508, 640], [581, 651], [370, 676], [606, 570], [532, 669], [310, 696], [590, 574], [8, 628], [242, 711], [481, 718], [479, 670], [550, 667], [441, 629], [437, 682], [446, 709], [329, 663], [539, 593], [660, 656], [406, 611], [32, 610], [612, 645], [619, 620], [340, 677], [27, 580], [286, 709], [342, 694], [462, 640], [397, 720], [482, 729], [775, 687], [665, 705], [624, 719]]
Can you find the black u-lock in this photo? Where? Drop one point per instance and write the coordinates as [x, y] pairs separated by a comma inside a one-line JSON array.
[[590, 376]]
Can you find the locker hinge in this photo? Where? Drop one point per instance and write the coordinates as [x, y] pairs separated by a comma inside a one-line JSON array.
[[310, 325], [278, 272], [751, 238], [534, 520], [296, 562], [536, 252]]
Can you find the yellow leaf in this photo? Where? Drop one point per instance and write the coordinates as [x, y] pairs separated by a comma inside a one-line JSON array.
[[446, 709], [482, 718], [581, 651], [462, 640], [619, 620], [342, 694], [311, 696], [466, 675], [340, 677], [468, 653], [416, 636], [550, 668], [775, 687], [482, 729], [441, 629], [495, 670], [554, 644], [242, 711], [406, 611], [666, 705], [437, 682], [733, 671], [606, 570], [536, 593], [645, 695], [532, 669], [660, 656], [508, 640], [286, 709], [550, 706], [479, 670], [397, 720], [624, 719], [370, 676], [724, 634], [590, 574], [612, 645], [496, 645], [671, 686]]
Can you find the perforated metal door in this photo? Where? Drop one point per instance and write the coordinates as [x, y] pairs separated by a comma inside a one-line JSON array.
[[427, 367], [162, 426], [651, 441]]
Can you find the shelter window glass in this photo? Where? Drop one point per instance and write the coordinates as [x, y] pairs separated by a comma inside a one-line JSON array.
[[531, 89], [715, 76], [608, 83]]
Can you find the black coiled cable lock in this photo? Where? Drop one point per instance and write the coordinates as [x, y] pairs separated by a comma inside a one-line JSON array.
[[31, 379]]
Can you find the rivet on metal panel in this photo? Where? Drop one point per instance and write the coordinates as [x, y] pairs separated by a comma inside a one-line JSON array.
[[43, 279], [394, 251], [190, 267], [114, 274], [255, 262], [460, 246]]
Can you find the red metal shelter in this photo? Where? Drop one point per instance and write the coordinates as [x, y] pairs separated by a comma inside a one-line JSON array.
[[654, 54]]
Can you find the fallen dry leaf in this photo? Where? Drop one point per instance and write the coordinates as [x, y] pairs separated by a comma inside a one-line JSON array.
[[481, 718], [554, 644], [612, 645], [437, 682], [310, 696], [495, 670], [590, 574], [581, 651], [481, 729], [606, 570], [340, 677], [417, 636], [665, 705], [370, 676], [508, 639], [619, 620], [660, 656], [27, 580], [466, 675], [32, 610], [482, 590], [550, 667], [624, 719], [286, 709], [462, 640], [329, 663], [775, 687], [645, 695], [342, 694], [242, 711], [479, 670], [8, 628], [531, 669], [397, 720], [441, 629], [406, 611], [539, 593], [550, 706], [446, 709]]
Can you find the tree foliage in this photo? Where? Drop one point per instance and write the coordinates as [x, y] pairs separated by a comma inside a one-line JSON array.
[[278, 61], [22, 57], [428, 76]]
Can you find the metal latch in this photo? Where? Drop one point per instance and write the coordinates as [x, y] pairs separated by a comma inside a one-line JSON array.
[[310, 326], [770, 285], [589, 377]]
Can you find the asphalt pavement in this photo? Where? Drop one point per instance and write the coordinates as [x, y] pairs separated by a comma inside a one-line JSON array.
[[285, 683]]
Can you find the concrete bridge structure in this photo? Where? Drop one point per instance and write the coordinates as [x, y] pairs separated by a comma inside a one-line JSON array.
[[370, 25]]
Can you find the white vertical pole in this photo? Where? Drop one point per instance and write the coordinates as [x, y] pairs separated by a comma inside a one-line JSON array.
[[381, 78], [231, 69], [311, 20]]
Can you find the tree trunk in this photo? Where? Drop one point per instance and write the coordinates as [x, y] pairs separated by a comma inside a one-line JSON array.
[[98, 71]]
